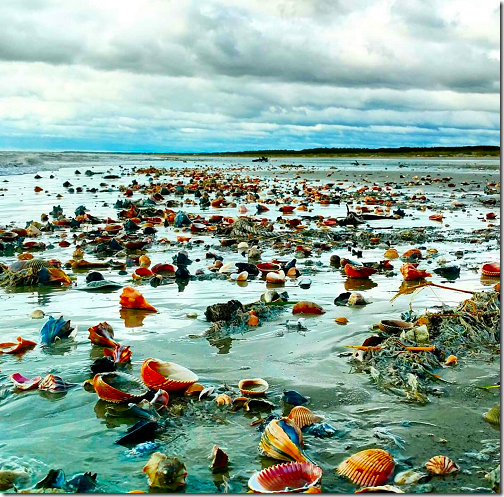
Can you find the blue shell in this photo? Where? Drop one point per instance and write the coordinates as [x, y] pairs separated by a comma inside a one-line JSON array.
[[55, 328], [294, 398]]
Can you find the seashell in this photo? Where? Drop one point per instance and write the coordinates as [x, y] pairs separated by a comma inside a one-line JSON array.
[[441, 465], [436, 217], [219, 459], [37, 314], [16, 348], [491, 269], [242, 246], [287, 208], [412, 254], [165, 472], [493, 416], [356, 299], [409, 476], [227, 268], [258, 405], [161, 398], [302, 416], [266, 267], [275, 277], [252, 387], [54, 384], [293, 272], [411, 273], [118, 387], [163, 268], [394, 325], [194, 389], [358, 271], [120, 354], [102, 334], [53, 275], [23, 383], [142, 431], [387, 489], [451, 359], [294, 398], [143, 272], [168, 376], [144, 261], [10, 478], [242, 276], [282, 439], [368, 468], [133, 299], [239, 402], [304, 307], [293, 477], [341, 320], [391, 253], [55, 329], [222, 399]]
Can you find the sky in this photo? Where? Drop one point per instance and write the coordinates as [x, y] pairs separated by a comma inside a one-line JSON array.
[[231, 75]]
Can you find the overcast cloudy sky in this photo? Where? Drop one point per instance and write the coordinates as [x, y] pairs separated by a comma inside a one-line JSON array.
[[207, 75]]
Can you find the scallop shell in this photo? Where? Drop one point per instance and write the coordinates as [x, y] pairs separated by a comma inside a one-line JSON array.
[[287, 477], [283, 440], [107, 385], [441, 465], [255, 386], [168, 376], [302, 416], [368, 468], [23, 383], [52, 383]]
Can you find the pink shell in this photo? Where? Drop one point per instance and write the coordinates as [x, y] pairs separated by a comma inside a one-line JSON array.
[[23, 383]]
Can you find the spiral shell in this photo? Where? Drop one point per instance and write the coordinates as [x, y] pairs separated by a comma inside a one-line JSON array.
[[55, 384], [119, 354], [102, 334], [368, 468], [283, 440], [222, 399], [287, 477], [302, 416], [441, 465], [168, 376], [107, 385]]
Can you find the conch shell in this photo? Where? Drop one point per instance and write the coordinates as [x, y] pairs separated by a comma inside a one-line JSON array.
[[165, 472], [102, 334], [133, 299], [283, 440], [55, 329], [119, 354], [54, 384], [368, 468]]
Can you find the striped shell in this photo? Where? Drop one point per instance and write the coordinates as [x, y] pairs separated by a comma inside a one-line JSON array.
[[283, 440], [52, 383], [102, 334], [23, 383], [35, 264], [302, 416], [441, 465], [368, 468], [491, 269], [254, 386], [118, 387], [286, 477], [119, 354], [168, 376]]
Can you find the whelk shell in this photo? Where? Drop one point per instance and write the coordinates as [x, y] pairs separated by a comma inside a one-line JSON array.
[[120, 354], [287, 477], [441, 465], [368, 468], [52, 383], [168, 376], [302, 416]]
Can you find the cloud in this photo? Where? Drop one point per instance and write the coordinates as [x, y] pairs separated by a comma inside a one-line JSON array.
[[241, 74]]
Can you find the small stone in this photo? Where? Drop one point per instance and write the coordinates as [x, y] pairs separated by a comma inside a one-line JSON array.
[[37, 314], [192, 315]]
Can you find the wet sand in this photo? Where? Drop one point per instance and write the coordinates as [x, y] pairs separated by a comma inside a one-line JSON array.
[[72, 431]]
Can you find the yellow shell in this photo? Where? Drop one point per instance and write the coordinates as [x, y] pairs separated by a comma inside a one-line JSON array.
[[493, 416], [441, 465], [391, 254], [341, 320], [282, 440], [223, 399], [302, 416]]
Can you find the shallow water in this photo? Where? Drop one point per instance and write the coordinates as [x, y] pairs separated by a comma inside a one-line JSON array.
[[72, 431]]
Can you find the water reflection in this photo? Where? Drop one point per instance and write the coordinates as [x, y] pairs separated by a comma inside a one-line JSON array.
[[352, 284], [133, 318]]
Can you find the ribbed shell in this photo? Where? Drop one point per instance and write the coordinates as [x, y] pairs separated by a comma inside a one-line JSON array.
[[111, 394], [35, 264], [368, 468], [282, 439], [302, 416], [52, 383], [441, 465], [167, 376], [286, 477]]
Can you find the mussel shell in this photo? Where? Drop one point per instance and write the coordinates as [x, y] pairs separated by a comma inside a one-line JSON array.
[[169, 376], [286, 477], [368, 468]]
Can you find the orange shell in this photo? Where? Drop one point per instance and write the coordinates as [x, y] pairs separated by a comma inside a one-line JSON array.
[[119, 354], [223, 400], [167, 376], [411, 273], [451, 359], [368, 468], [497, 287], [391, 254], [193, 389], [302, 416], [436, 217], [144, 261], [304, 307], [111, 394], [253, 387], [287, 208], [491, 269], [133, 299], [25, 256], [283, 440], [15, 348], [102, 334], [358, 271], [412, 253], [341, 320], [441, 465]]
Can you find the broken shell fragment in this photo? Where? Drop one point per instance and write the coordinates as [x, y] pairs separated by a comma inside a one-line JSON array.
[[255, 386], [293, 477], [23, 383], [368, 468], [387, 489], [441, 465]]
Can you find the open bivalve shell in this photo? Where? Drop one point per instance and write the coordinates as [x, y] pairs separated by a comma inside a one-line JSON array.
[[169, 376], [368, 468]]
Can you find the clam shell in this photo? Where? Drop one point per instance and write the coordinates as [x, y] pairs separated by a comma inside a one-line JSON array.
[[302, 416], [52, 383], [394, 325], [167, 376], [109, 387], [491, 269], [266, 267], [368, 468], [283, 440], [493, 416], [286, 477], [275, 277], [441, 465], [391, 254], [251, 387], [23, 383]]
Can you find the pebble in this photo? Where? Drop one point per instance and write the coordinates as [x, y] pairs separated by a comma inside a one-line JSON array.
[[37, 314]]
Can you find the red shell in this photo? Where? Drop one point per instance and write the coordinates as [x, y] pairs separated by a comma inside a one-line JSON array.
[[102, 334], [14, 348], [410, 272], [163, 268], [119, 354], [287, 208], [304, 307], [359, 271], [156, 375], [368, 468], [266, 267], [143, 271], [491, 269], [133, 299]]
